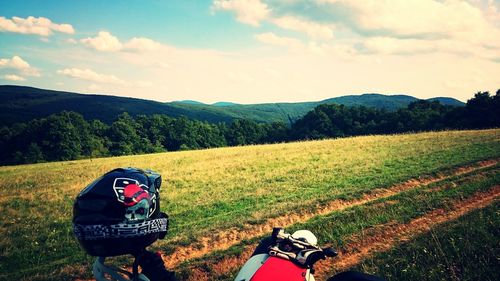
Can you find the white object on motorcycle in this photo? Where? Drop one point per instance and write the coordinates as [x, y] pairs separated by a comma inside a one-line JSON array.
[[250, 267], [303, 255], [306, 235], [276, 252]]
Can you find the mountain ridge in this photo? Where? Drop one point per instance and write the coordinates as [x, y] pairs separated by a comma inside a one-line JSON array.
[[23, 103]]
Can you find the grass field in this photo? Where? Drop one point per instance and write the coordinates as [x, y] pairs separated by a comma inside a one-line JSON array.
[[360, 229], [465, 249], [227, 196]]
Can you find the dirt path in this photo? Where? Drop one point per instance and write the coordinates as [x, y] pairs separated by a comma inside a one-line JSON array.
[[382, 238], [387, 236], [225, 239]]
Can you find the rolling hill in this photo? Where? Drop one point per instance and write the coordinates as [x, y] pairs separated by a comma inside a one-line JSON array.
[[21, 104]]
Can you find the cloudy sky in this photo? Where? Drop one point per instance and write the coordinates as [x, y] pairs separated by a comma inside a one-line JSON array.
[[252, 51]]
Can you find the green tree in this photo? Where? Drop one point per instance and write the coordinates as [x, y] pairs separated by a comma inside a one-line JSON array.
[[482, 110], [244, 132], [64, 136], [123, 136], [34, 154], [99, 143]]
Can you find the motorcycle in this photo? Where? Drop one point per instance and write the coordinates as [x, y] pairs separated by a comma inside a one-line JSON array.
[[281, 257], [153, 269], [105, 272], [291, 257]]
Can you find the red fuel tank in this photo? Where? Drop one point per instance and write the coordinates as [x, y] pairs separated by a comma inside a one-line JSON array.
[[277, 269]]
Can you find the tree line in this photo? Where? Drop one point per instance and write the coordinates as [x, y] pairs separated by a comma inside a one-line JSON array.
[[331, 120], [68, 136]]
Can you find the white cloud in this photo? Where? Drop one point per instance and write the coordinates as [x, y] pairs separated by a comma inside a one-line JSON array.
[[388, 45], [490, 9], [94, 87], [143, 84], [253, 12], [390, 27], [163, 65], [31, 25], [141, 44], [90, 75], [453, 84], [19, 64], [107, 42], [240, 77], [71, 41], [272, 72], [417, 19], [273, 39], [104, 41], [15, 62], [13, 77], [247, 11], [492, 12], [312, 29], [473, 79], [339, 50]]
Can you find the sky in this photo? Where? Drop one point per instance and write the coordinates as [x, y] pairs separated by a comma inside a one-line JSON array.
[[252, 51]]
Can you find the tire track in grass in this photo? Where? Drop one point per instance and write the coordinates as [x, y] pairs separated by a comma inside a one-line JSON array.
[[379, 239], [225, 239], [384, 238]]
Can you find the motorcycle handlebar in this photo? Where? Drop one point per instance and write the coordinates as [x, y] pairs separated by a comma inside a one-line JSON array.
[[330, 252], [279, 235]]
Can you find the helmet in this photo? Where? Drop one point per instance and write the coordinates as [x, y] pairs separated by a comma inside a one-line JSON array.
[[306, 236], [119, 213]]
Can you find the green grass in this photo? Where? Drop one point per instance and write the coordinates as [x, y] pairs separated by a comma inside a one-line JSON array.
[[338, 228], [465, 249], [405, 206], [211, 190]]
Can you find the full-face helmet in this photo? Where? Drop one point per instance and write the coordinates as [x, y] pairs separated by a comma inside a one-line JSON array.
[[119, 213]]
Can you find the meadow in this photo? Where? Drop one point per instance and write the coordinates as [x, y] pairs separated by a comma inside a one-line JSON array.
[[376, 227], [464, 249], [221, 201]]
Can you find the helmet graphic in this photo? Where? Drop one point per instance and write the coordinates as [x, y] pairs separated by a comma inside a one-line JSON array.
[[119, 213]]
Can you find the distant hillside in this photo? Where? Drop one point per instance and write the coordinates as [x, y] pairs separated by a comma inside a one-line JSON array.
[[447, 101], [265, 112], [289, 112], [21, 104], [391, 102], [224, 103], [189, 102], [374, 100]]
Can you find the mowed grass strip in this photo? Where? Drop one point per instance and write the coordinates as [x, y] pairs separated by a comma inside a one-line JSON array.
[[341, 229], [206, 191], [465, 249]]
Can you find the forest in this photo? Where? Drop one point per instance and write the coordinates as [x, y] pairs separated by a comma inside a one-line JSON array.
[[68, 136]]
